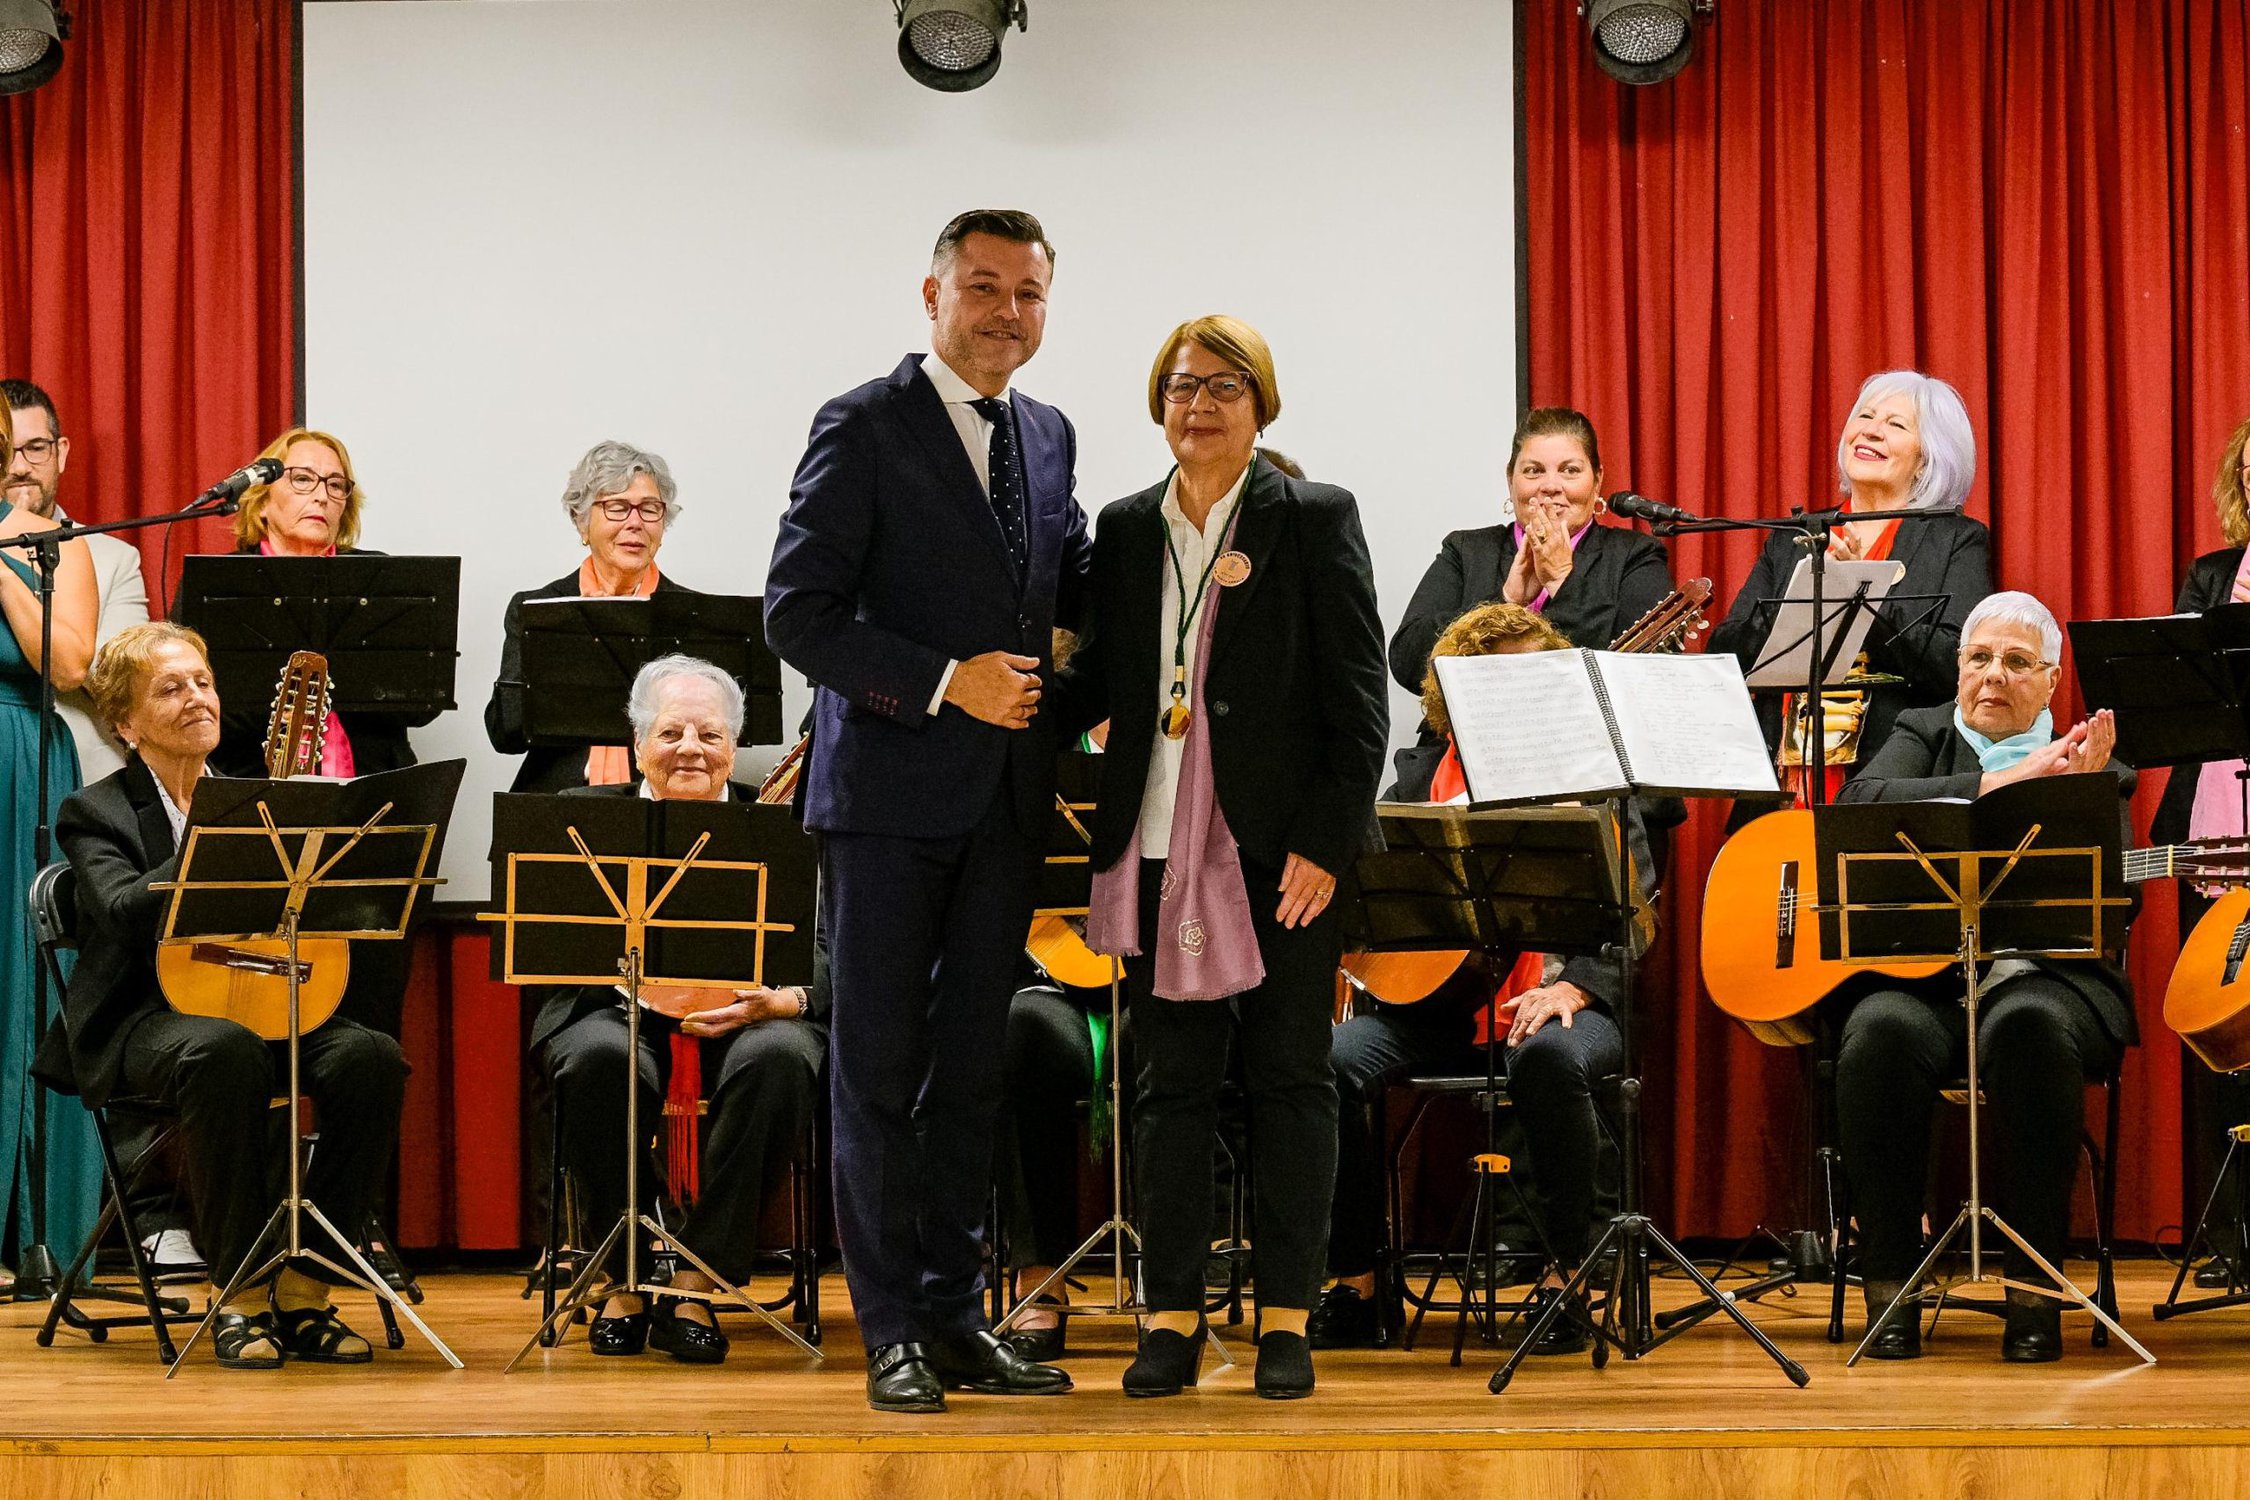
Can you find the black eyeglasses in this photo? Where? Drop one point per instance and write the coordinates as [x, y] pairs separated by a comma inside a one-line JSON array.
[[1225, 387], [305, 481], [617, 509], [38, 450]]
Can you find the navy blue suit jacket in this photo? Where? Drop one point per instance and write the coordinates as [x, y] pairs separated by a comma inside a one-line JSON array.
[[890, 563]]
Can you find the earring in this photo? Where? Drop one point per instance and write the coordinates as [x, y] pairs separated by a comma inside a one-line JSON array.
[[1601, 506]]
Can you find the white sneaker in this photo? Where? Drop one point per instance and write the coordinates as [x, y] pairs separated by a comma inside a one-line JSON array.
[[173, 1256]]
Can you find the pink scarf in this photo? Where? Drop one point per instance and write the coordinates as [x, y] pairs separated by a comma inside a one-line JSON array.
[[2218, 790], [335, 745], [1209, 946]]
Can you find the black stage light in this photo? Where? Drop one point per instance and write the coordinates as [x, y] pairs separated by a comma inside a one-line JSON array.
[[1643, 41], [954, 45], [31, 38]]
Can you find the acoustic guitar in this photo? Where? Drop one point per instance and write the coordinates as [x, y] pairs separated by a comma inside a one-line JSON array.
[[1761, 938], [1402, 978], [248, 983], [2207, 1000]]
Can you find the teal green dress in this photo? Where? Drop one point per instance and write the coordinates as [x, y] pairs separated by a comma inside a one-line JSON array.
[[73, 1160]]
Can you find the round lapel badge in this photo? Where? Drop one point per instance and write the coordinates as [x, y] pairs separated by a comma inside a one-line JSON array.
[[1231, 569]]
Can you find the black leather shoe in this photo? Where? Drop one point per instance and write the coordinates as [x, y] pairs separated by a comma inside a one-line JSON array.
[[1345, 1319], [2218, 1274], [2032, 1334], [1284, 1366], [1901, 1337], [899, 1378], [1040, 1345], [626, 1335], [691, 1341], [1168, 1362], [1566, 1334], [981, 1362]]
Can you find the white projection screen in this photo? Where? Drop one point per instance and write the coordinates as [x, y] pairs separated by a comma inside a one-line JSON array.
[[530, 225]]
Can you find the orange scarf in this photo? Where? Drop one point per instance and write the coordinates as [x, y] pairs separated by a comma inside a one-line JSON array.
[[611, 765]]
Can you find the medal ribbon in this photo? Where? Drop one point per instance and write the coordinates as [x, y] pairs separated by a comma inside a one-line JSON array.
[[1175, 720]]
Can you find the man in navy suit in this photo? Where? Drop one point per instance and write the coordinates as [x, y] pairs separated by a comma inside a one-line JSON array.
[[932, 543]]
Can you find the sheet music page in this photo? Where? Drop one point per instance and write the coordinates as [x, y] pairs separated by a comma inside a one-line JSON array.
[[1686, 722], [1528, 726], [1784, 658]]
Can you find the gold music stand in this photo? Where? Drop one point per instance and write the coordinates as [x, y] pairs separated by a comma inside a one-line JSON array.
[[1066, 889], [332, 878], [2063, 907], [548, 919]]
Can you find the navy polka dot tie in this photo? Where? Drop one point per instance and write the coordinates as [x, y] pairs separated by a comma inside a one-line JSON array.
[[1006, 482]]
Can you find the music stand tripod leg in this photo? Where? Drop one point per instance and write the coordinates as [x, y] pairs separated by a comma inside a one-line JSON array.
[[578, 1296], [362, 1274], [1912, 1291], [2064, 1289], [665, 1237], [250, 1270]]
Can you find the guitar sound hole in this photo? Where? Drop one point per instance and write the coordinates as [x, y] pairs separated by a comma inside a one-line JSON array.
[[1785, 918], [2235, 951]]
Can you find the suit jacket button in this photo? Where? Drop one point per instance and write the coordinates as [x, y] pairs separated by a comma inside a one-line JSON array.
[[1220, 708]]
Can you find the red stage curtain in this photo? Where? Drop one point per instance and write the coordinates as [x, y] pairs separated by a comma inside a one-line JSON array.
[[147, 260], [2045, 202]]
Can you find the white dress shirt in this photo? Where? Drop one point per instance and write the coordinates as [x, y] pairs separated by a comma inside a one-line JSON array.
[[1194, 549], [172, 813], [976, 437]]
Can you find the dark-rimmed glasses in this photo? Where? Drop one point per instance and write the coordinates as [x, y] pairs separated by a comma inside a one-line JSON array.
[[1225, 387]]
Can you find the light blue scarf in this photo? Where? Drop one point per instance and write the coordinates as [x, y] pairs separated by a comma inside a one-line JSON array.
[[1999, 755]]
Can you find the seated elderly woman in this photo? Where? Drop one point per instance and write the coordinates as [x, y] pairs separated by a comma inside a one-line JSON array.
[[762, 1047], [2047, 1027], [623, 502], [152, 682]]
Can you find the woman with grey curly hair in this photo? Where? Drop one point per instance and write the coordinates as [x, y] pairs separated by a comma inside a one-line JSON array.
[[623, 502], [1906, 445]]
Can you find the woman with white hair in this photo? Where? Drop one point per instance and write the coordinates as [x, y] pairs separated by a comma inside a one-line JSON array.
[[1906, 444], [623, 502], [757, 1051], [2046, 1027]]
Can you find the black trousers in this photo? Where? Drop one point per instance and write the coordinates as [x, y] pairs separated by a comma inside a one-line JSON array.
[[926, 936], [1573, 1165], [1051, 1067], [2039, 1045], [762, 1083], [219, 1079], [1180, 1062]]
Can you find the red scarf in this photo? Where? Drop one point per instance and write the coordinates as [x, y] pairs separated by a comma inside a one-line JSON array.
[[1447, 782]]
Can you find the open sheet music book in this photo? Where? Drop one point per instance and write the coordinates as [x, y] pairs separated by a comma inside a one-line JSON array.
[[1545, 725]]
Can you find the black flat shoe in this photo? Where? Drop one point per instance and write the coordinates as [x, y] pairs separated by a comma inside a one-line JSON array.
[[2032, 1334], [625, 1335], [1345, 1319], [1168, 1362], [232, 1334], [983, 1363], [317, 1336], [1901, 1337], [1040, 1345], [1284, 1366], [688, 1340], [899, 1378], [1566, 1332]]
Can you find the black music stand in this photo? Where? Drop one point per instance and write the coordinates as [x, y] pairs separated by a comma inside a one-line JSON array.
[[2179, 685], [1065, 888], [629, 891], [292, 860], [1496, 882], [1923, 881], [388, 626], [580, 655]]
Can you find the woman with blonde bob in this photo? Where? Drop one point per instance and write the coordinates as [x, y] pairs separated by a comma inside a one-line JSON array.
[[1235, 649]]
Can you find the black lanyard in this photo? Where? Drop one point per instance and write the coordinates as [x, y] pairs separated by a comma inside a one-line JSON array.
[[1188, 606]]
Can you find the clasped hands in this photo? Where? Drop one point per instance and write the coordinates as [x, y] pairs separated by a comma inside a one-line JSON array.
[[1544, 560], [2086, 747], [998, 687]]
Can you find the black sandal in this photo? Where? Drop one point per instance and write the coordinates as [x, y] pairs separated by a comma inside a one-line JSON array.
[[233, 1332], [317, 1336]]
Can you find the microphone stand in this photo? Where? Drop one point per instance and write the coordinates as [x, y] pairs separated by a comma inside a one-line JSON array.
[[36, 1273], [1814, 529]]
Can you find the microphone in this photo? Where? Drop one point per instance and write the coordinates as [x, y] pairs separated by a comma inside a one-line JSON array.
[[257, 471], [1640, 508]]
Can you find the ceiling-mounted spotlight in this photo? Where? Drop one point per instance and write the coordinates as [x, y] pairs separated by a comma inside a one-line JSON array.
[[1643, 41], [31, 38], [954, 45]]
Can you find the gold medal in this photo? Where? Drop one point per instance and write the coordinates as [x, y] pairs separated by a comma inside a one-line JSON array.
[[1176, 721], [1231, 569]]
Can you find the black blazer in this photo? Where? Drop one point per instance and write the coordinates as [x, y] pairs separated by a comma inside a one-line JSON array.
[[1616, 576], [1925, 758], [1947, 554], [379, 740], [2209, 584], [119, 844], [545, 768], [564, 1004], [1299, 712]]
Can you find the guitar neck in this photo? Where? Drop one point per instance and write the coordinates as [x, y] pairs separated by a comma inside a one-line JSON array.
[[2165, 862]]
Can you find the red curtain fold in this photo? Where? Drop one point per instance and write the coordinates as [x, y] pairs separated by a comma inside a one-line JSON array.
[[147, 250], [2045, 202]]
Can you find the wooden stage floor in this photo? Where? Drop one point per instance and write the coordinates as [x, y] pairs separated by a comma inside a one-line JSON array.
[[1706, 1415]]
